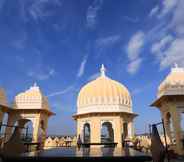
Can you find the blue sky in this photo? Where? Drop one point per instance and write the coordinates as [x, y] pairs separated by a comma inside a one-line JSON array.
[[61, 44]]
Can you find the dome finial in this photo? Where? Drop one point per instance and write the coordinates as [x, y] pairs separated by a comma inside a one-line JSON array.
[[175, 65], [102, 70], [35, 84]]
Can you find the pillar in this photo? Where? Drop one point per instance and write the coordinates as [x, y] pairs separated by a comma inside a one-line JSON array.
[[130, 130], [117, 131], [95, 136], [44, 132], [167, 125], [11, 121], [36, 125], [176, 119], [79, 127]]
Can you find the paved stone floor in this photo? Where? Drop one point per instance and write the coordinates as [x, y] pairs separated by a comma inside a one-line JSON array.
[[179, 159]]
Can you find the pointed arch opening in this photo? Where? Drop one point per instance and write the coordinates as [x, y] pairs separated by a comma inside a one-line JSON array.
[[86, 133], [107, 133]]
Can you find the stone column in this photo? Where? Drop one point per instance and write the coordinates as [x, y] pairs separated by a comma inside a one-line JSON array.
[[176, 119], [11, 121], [36, 126], [44, 132], [130, 130], [167, 124], [95, 130], [118, 131], [78, 128]]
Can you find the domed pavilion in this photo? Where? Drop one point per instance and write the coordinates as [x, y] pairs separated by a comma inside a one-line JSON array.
[[104, 105], [30, 106], [170, 102]]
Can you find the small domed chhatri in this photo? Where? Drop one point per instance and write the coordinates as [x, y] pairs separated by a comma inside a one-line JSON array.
[[170, 102], [101, 92], [104, 102], [173, 83], [31, 99]]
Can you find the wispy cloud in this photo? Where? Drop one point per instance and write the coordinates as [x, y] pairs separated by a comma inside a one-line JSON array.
[[104, 43], [92, 12], [107, 41], [134, 65], [167, 6], [93, 76], [131, 19], [135, 44], [177, 21], [173, 54], [41, 74], [159, 46], [168, 48], [64, 91], [38, 9], [82, 66], [140, 89], [154, 11], [133, 50]]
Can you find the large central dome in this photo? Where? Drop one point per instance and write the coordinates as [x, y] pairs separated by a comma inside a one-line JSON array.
[[104, 95]]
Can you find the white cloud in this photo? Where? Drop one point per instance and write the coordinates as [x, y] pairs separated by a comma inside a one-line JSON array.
[[82, 67], [177, 21], [92, 11], [167, 6], [133, 50], [131, 19], [94, 76], [169, 48], [107, 41], [41, 75], [173, 54], [154, 11], [135, 44], [158, 47], [38, 9], [66, 90], [134, 65]]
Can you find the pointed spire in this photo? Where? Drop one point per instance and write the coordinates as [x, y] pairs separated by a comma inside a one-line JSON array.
[[35, 84], [34, 87], [175, 65], [102, 70]]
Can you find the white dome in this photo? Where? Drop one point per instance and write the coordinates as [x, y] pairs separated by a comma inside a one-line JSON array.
[[173, 83], [104, 95]]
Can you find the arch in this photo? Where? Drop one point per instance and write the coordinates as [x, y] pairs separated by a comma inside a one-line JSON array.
[[86, 133], [26, 126], [28, 131], [107, 132]]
